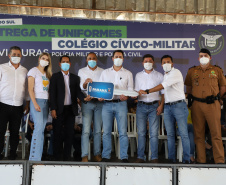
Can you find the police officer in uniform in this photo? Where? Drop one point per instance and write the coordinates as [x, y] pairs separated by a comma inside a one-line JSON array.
[[206, 85]]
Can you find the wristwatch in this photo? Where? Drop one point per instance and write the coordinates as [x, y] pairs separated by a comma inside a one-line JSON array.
[[147, 91]]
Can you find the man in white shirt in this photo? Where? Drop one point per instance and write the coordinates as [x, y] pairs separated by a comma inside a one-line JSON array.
[[117, 107], [13, 89], [149, 108], [175, 109], [91, 111]]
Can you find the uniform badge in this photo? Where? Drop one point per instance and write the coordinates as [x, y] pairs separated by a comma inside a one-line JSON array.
[[212, 73]]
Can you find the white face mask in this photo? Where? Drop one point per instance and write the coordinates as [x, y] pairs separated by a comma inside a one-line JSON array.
[[44, 63], [15, 60], [118, 62], [167, 67], [204, 60], [148, 66]]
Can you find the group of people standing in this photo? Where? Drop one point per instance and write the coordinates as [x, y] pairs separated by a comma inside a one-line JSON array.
[[59, 93]]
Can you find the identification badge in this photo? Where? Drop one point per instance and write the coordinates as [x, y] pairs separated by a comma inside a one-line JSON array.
[[101, 90]]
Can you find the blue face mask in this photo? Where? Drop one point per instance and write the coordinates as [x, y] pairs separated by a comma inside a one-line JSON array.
[[92, 63], [65, 66]]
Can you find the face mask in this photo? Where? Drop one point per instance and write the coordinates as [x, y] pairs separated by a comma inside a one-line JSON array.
[[15, 60], [204, 60], [118, 62], [65, 66], [148, 66], [92, 63], [167, 67], [44, 63]]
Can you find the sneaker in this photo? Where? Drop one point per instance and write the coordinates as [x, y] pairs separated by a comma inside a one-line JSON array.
[[97, 158], [139, 161], [85, 159]]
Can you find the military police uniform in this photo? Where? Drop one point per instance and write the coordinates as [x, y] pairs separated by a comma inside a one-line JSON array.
[[205, 85]]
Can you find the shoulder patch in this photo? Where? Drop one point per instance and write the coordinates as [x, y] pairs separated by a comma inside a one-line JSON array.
[[219, 68]]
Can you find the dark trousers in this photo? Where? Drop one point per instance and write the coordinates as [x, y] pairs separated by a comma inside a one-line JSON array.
[[63, 131], [12, 115], [77, 144]]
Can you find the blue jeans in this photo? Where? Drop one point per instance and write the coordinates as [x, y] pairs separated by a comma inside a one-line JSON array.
[[191, 139], [91, 112], [109, 111], [172, 114], [144, 113], [40, 120]]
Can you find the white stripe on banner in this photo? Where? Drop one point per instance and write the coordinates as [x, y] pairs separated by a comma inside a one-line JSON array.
[[10, 22], [123, 43]]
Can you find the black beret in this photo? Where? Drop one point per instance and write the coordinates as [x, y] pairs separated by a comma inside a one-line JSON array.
[[204, 50]]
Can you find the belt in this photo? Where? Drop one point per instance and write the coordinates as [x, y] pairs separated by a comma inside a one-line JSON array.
[[94, 100], [175, 102], [113, 101], [148, 103], [208, 99]]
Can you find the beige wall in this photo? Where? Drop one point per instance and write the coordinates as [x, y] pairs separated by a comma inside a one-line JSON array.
[[177, 11]]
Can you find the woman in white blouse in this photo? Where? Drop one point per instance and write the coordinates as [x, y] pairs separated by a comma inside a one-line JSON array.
[[38, 85]]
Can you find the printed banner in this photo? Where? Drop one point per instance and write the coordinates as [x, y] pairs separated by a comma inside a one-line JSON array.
[[77, 37]]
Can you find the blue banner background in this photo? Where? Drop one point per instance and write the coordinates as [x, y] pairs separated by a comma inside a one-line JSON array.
[[183, 60]]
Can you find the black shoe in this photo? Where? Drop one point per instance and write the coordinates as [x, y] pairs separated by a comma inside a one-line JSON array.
[[171, 161], [154, 161], [50, 158], [105, 160], [139, 161], [12, 157], [67, 158], [186, 162], [1, 156], [125, 160]]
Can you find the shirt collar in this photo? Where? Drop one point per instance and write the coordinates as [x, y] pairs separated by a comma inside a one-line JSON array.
[[10, 65], [148, 73], [91, 69], [65, 74], [122, 69], [170, 70], [209, 67]]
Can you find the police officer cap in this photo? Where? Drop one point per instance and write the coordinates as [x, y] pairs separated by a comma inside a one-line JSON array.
[[204, 50]]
